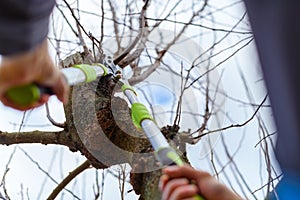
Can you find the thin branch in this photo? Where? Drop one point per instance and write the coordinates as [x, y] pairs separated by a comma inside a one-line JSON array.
[[179, 104], [263, 131], [122, 179], [262, 139], [22, 121], [207, 112], [151, 68], [200, 25], [3, 184], [82, 42], [68, 179], [102, 27], [96, 191], [139, 36], [268, 183], [5, 173], [64, 16], [53, 122], [102, 183], [220, 63], [45, 172], [116, 28], [235, 168], [235, 125], [80, 25], [49, 170]]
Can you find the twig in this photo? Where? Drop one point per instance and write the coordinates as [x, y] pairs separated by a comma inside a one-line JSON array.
[[3, 184], [151, 68], [22, 121], [264, 131], [236, 169], [44, 171], [207, 112], [200, 25], [96, 189], [82, 42], [262, 139], [102, 27], [53, 122], [179, 104], [135, 41], [102, 183], [68, 179], [5, 173], [79, 24], [274, 179], [116, 28], [122, 179], [235, 125], [221, 62], [50, 167], [64, 16]]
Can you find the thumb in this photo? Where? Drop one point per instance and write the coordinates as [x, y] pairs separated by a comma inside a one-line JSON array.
[[61, 89]]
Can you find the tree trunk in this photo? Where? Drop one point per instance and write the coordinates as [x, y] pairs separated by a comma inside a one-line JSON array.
[[101, 128]]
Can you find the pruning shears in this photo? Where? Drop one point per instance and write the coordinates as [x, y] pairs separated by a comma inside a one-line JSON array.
[[141, 117], [82, 73]]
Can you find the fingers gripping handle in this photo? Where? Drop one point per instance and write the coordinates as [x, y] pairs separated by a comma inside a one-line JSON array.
[[27, 94], [168, 156]]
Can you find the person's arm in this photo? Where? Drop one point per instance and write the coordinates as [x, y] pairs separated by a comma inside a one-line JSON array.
[[23, 45], [34, 66], [176, 185]]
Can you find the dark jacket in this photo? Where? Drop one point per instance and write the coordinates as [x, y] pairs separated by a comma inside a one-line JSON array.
[[23, 24], [276, 29]]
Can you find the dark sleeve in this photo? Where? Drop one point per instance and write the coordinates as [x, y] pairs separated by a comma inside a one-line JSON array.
[[276, 29], [23, 24]]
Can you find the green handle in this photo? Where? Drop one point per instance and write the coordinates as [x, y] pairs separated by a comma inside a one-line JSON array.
[[168, 156], [26, 95], [198, 197]]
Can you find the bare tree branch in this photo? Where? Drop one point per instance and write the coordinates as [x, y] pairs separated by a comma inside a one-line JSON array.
[[40, 137], [200, 25], [3, 183], [160, 55], [138, 37], [116, 27], [80, 25], [85, 165], [234, 125], [45, 172], [53, 122]]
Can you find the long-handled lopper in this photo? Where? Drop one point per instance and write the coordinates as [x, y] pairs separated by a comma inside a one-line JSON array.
[[165, 154]]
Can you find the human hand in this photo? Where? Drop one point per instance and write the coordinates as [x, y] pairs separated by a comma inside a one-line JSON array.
[[34, 66], [175, 184]]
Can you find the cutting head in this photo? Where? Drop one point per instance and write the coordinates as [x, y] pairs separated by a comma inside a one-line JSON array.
[[113, 69]]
